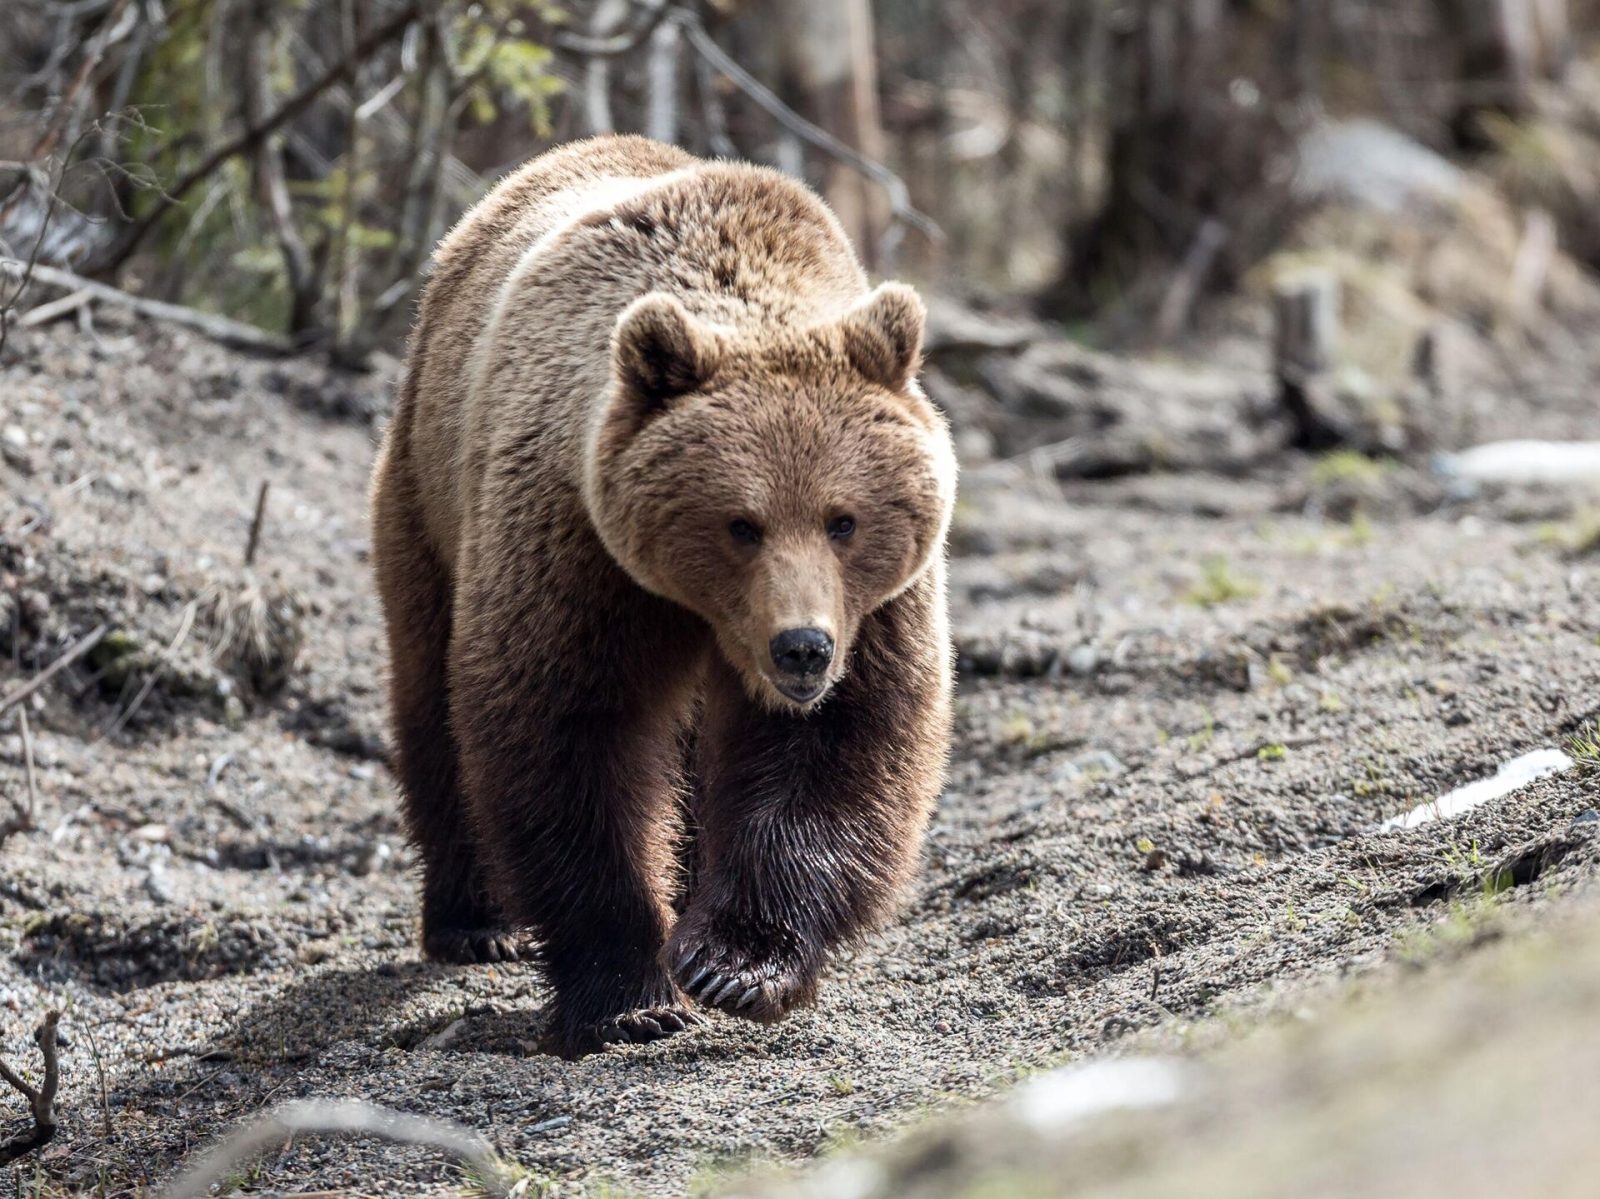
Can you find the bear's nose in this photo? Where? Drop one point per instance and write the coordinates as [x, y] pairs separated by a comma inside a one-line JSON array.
[[801, 651]]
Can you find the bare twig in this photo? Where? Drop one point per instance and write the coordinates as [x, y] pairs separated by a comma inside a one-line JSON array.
[[105, 1087], [22, 817], [618, 44], [343, 1117], [41, 1099], [81, 647], [219, 328], [118, 25], [26, 731], [257, 132], [255, 524]]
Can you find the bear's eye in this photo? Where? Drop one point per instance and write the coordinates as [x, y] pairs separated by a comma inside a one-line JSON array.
[[744, 532], [841, 527]]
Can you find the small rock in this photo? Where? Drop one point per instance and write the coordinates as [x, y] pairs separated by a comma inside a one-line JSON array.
[[159, 887], [445, 1037], [371, 858], [1083, 661], [1099, 761], [1065, 772], [1589, 816]]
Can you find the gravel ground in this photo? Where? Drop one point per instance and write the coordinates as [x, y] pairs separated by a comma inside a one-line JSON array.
[[1188, 702]]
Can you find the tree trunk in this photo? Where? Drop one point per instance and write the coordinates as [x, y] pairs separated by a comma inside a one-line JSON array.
[[1509, 47], [828, 71]]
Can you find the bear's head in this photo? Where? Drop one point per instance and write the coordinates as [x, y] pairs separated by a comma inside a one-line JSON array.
[[780, 485]]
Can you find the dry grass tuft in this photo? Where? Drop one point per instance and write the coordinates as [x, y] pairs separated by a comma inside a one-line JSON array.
[[256, 631]]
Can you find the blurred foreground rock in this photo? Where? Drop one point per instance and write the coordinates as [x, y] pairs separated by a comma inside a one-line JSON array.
[[1475, 1080]]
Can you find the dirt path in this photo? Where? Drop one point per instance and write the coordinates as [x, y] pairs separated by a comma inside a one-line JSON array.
[[1188, 704]]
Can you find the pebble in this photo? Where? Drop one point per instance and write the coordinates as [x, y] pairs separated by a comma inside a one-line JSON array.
[[372, 857], [1099, 761], [1589, 816], [1083, 660], [159, 887], [1065, 772]]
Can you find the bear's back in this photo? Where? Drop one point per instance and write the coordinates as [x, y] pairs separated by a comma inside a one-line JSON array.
[[469, 267]]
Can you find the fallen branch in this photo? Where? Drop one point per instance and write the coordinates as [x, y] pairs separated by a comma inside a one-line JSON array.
[[343, 1117], [218, 328], [81, 647], [41, 1099], [41, 314]]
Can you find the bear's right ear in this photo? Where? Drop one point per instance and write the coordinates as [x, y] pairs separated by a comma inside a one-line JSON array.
[[660, 352]]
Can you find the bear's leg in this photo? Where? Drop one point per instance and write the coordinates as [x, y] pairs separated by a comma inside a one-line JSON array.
[[810, 824], [568, 711], [459, 923]]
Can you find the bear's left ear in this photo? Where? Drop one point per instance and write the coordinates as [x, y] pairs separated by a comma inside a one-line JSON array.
[[659, 352], [883, 334]]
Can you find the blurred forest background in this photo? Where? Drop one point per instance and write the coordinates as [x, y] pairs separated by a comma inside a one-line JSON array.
[[291, 164], [1214, 690]]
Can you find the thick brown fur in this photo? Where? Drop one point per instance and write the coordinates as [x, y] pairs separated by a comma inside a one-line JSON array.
[[622, 354]]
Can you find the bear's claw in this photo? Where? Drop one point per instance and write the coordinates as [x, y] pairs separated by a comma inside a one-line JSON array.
[[757, 991], [646, 1024], [475, 946]]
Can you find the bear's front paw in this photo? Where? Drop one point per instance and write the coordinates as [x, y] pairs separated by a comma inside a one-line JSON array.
[[738, 983]]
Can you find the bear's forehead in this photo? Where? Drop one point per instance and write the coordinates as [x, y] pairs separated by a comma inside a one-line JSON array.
[[809, 436], [773, 474]]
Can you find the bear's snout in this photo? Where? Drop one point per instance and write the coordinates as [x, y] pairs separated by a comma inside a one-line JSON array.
[[802, 657]]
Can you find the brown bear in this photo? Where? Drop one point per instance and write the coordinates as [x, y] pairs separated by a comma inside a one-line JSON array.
[[659, 530]]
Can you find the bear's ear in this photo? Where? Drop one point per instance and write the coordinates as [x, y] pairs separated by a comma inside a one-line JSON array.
[[883, 334], [660, 352]]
